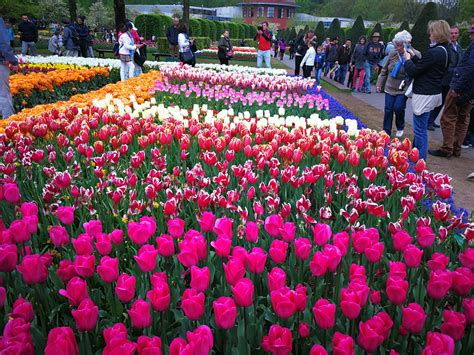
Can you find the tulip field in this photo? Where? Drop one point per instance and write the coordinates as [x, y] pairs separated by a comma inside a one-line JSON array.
[[223, 210]]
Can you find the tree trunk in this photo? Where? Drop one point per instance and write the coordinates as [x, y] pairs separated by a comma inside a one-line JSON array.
[[186, 13], [72, 9], [119, 10]]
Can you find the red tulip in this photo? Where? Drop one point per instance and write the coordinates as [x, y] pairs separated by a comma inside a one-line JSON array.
[[401, 240], [319, 264], [103, 244], [438, 261], [234, 270], [108, 269], [373, 332], [140, 314], [159, 296], [463, 281], [341, 240], [22, 309], [61, 340], [200, 278], [86, 315], [283, 302], [413, 318], [302, 248], [278, 341], [93, 228], [374, 253], [225, 312], [437, 343], [66, 270], [454, 324], [140, 232], [149, 346], [85, 265], [20, 231], [165, 245], [241, 254], [439, 284], [276, 279], [288, 231], [8, 257], [59, 236], [412, 256], [146, 258], [342, 344], [176, 227], [256, 260], [3, 296], [467, 258], [273, 224], [397, 269], [251, 232], [125, 288], [397, 289], [334, 257], [32, 269], [76, 291], [350, 304], [278, 251], [66, 214], [243, 292], [207, 221], [116, 236], [192, 303], [303, 330], [321, 233], [83, 245], [317, 349], [222, 245], [425, 236], [468, 305], [11, 193], [324, 313], [375, 297], [223, 227]]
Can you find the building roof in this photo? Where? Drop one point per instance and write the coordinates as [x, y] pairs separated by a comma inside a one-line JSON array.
[[270, 3]]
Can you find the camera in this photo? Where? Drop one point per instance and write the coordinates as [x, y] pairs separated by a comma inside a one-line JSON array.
[[260, 28], [402, 85]]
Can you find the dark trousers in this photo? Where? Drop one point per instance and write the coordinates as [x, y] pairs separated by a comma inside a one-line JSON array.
[[298, 60], [454, 124], [470, 130], [224, 60], [437, 110], [83, 48], [307, 69], [394, 104], [341, 73]]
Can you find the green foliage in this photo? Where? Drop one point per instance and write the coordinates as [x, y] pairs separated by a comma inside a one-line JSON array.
[[205, 28], [249, 42], [293, 34], [242, 31], [149, 25], [320, 31], [387, 34], [358, 29], [163, 47], [420, 38], [377, 28], [404, 26], [464, 40], [335, 29], [233, 28], [194, 27], [212, 29]]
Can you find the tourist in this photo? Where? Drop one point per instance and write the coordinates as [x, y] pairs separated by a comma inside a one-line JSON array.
[[10, 33], [83, 34], [456, 114], [139, 57], [6, 57], [427, 73], [225, 49], [394, 81], [291, 50], [127, 49], [388, 48], [70, 39], [455, 55], [319, 64], [186, 54], [469, 139], [307, 63], [282, 46], [264, 39], [172, 36], [358, 61], [55, 43], [343, 58], [28, 36], [331, 55], [275, 48], [242, 42], [301, 46], [90, 46], [374, 54]]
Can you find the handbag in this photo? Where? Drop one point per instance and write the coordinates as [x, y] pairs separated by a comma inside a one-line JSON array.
[[188, 55], [229, 54], [138, 58], [409, 92]]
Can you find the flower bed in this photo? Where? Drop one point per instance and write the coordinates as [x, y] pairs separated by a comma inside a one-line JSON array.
[[138, 226], [240, 53]]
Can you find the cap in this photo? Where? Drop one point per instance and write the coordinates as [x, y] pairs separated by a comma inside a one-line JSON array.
[[376, 34]]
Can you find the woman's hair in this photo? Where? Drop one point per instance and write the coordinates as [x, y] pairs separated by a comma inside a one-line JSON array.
[[182, 28], [362, 38], [440, 30], [314, 44], [402, 37]]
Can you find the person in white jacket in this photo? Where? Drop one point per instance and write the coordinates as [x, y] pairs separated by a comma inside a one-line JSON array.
[[307, 64], [127, 49]]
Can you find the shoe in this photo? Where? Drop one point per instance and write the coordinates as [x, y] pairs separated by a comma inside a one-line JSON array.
[[470, 177], [457, 154], [440, 153], [359, 90], [435, 125], [353, 90], [431, 128], [368, 92], [399, 134], [466, 146]]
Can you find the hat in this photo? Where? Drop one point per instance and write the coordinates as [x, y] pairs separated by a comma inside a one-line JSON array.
[[130, 25], [376, 34], [471, 30]]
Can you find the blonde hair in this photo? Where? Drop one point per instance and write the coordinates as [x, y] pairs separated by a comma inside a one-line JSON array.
[[440, 30]]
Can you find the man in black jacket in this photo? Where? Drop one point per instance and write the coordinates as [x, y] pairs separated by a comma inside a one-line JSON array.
[[455, 55], [28, 36], [172, 35], [343, 58]]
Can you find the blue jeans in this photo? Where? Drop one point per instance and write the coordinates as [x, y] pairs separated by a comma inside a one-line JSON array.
[[264, 55], [318, 75], [28, 45], [394, 104], [420, 130], [6, 106], [368, 74], [341, 73]]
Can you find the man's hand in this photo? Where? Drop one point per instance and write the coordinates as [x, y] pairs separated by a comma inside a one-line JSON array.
[[378, 89], [259, 32]]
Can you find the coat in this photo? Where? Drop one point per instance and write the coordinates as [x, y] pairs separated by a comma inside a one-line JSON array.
[[223, 46]]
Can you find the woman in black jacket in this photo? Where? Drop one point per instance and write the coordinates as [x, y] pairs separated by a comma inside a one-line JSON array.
[[224, 48], [301, 46], [428, 74]]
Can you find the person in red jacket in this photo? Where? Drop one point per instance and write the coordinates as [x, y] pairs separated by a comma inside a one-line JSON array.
[[264, 39]]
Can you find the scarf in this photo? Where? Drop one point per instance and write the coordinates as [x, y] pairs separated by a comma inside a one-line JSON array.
[[398, 66]]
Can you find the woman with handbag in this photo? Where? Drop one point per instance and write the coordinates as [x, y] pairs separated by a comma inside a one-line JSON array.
[[225, 49], [127, 49], [186, 55]]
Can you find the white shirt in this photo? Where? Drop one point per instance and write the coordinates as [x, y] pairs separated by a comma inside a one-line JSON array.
[[309, 57], [425, 103], [183, 42], [125, 42]]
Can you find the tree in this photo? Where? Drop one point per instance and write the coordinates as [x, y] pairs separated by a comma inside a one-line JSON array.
[[358, 29], [293, 34], [119, 11], [53, 10], [335, 29], [405, 26], [72, 9], [186, 12], [99, 15], [377, 28], [320, 31], [420, 38]]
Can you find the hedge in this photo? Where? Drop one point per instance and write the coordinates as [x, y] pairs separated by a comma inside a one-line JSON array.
[[464, 40], [205, 28], [249, 42], [163, 47], [194, 27], [154, 24]]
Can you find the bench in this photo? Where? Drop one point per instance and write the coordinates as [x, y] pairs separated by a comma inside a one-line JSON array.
[[102, 52], [158, 55]]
